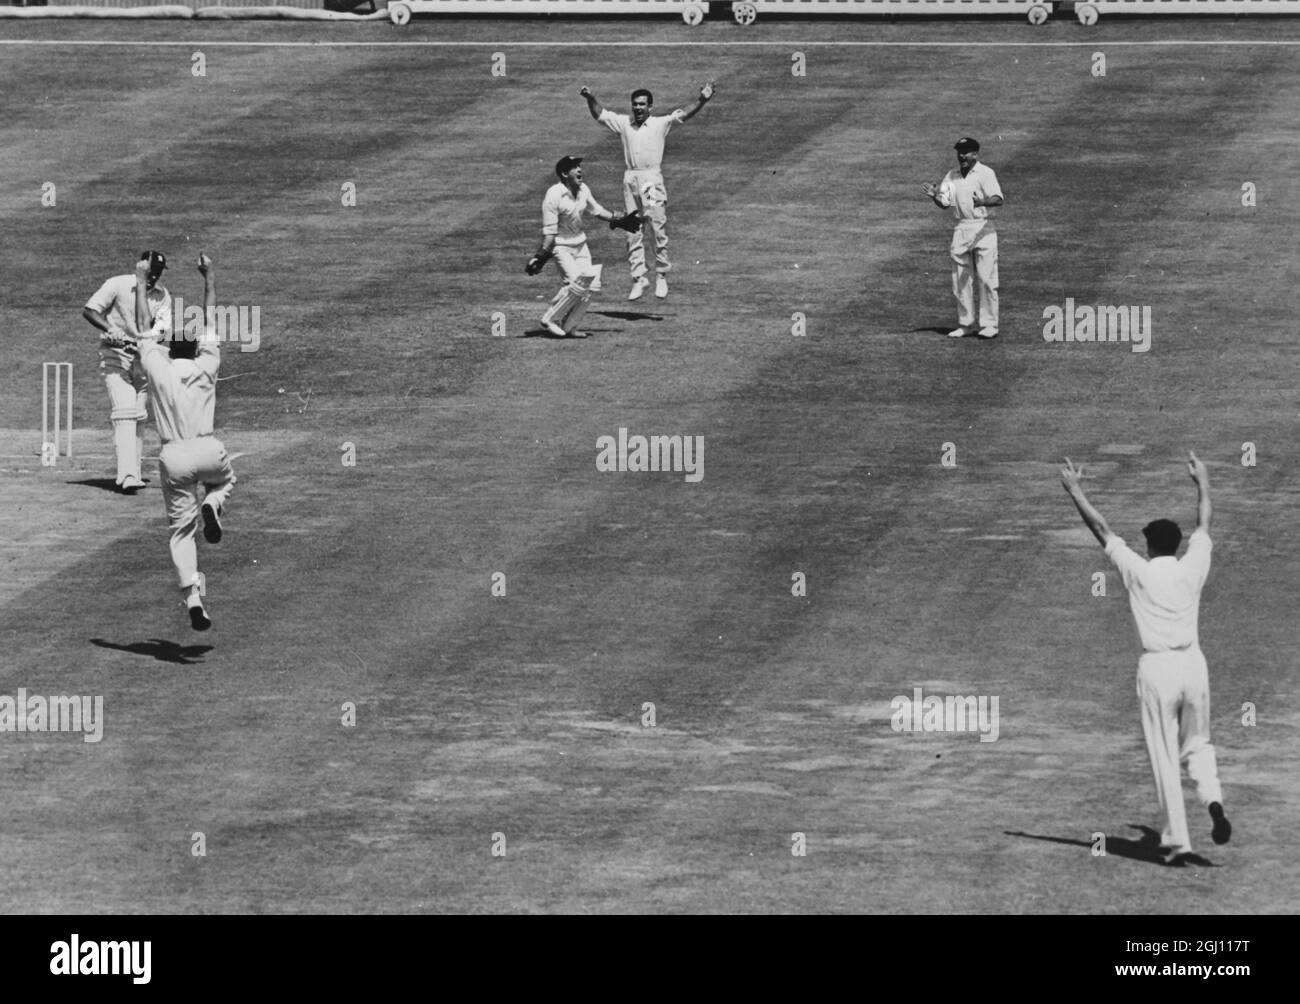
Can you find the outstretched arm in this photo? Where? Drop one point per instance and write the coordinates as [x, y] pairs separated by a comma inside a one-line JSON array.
[[593, 106], [1096, 522], [597, 210], [706, 92], [1202, 478]]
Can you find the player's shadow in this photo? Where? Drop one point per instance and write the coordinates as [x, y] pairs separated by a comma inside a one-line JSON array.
[[160, 649], [618, 315], [107, 484], [1145, 848], [936, 329], [629, 315]]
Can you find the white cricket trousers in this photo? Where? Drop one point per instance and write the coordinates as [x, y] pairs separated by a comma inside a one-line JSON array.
[[580, 277], [644, 189], [183, 465], [1174, 689], [128, 396], [974, 253]]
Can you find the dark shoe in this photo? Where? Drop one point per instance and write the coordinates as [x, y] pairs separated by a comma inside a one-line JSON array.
[[211, 524], [1222, 828], [199, 619]]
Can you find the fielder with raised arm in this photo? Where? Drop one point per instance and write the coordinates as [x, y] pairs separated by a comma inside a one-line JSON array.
[[643, 137], [184, 398], [1173, 682]]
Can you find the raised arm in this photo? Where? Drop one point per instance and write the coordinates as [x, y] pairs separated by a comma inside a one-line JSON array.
[[209, 287], [706, 92], [1202, 478], [1070, 477], [593, 105], [208, 356], [143, 320]]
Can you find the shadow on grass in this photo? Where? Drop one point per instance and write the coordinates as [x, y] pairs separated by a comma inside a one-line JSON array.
[[160, 649], [629, 315], [943, 329], [587, 333], [544, 333], [1145, 848], [107, 484], [618, 315]]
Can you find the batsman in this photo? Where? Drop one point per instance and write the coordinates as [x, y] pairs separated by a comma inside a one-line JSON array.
[[564, 239], [111, 311]]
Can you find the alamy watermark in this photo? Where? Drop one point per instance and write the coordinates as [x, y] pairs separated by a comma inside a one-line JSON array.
[[1098, 324], [683, 454], [946, 714], [75, 957], [54, 714], [231, 324]]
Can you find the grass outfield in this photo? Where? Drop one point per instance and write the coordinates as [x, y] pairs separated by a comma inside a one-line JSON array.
[[522, 715]]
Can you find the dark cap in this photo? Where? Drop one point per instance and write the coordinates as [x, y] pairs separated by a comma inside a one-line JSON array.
[[157, 262], [566, 165], [966, 144]]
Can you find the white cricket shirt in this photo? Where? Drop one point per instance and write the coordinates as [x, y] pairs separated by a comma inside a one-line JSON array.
[[562, 213], [116, 301], [643, 146], [1164, 593], [980, 182], [182, 392]]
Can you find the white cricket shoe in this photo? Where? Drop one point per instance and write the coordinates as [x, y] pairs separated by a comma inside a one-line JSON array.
[[554, 328], [638, 288], [960, 332], [661, 287]]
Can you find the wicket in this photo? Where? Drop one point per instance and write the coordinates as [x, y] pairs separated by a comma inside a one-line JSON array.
[[50, 449]]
